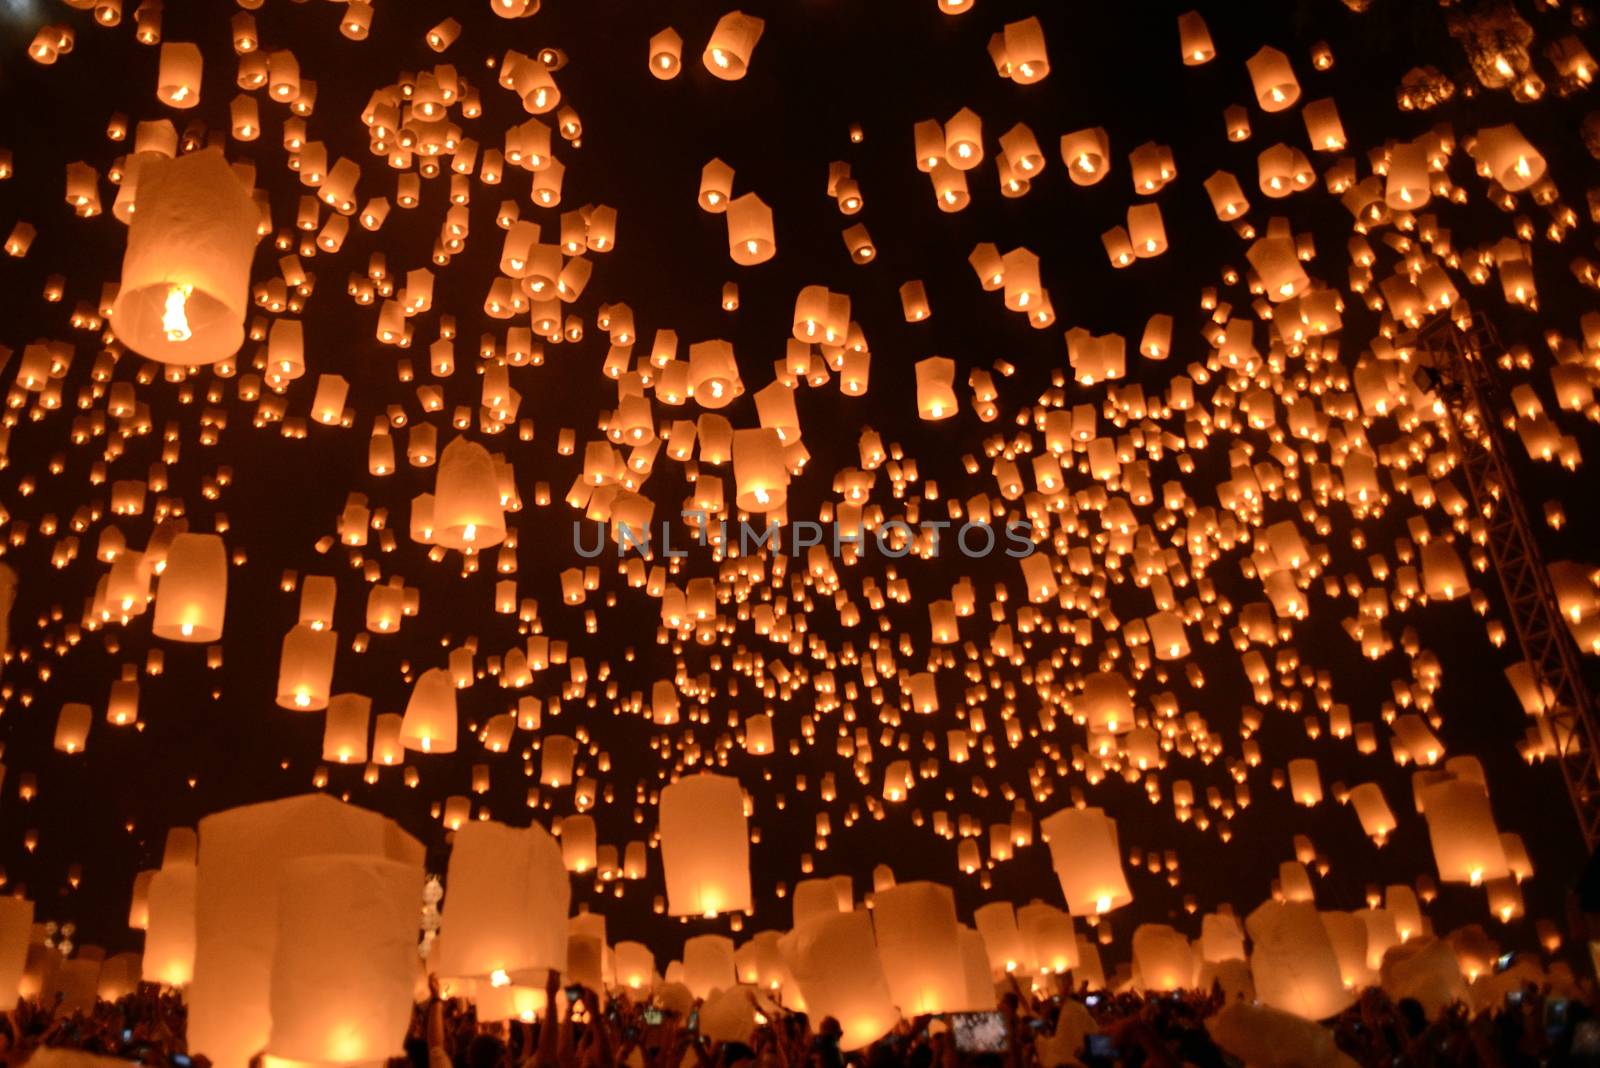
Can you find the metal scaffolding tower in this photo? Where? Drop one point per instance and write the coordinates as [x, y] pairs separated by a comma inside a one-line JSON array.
[[1462, 361]]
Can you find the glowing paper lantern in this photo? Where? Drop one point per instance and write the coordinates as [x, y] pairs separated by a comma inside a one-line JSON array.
[[1048, 935], [750, 234], [1163, 957], [344, 729], [1466, 842], [1293, 962], [1273, 79], [936, 395], [243, 853], [835, 963], [1083, 849], [429, 725], [178, 79], [705, 846], [919, 946], [506, 900], [192, 595], [186, 273], [343, 966], [170, 937], [467, 513], [72, 727], [1507, 157], [666, 54], [305, 668], [1194, 39], [727, 54], [997, 925], [708, 964], [16, 929]]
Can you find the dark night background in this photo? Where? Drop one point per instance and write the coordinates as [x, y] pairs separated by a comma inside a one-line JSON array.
[[821, 65]]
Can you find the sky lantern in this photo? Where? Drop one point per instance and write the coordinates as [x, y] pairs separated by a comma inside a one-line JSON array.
[[1025, 51], [936, 397], [1194, 39], [192, 592], [243, 854], [1293, 961], [1466, 842], [835, 963], [305, 668], [186, 272], [1083, 849], [750, 234], [666, 54], [1047, 933], [1273, 79], [72, 727], [467, 511], [1007, 951], [344, 729], [429, 725], [919, 945], [705, 848], [708, 964], [733, 41], [506, 901], [178, 80], [1163, 957], [342, 967], [16, 928]]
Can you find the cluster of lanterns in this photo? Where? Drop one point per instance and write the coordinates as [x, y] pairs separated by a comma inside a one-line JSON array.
[[1220, 510]]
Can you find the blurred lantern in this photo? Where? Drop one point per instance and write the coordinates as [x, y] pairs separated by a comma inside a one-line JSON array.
[[191, 597]]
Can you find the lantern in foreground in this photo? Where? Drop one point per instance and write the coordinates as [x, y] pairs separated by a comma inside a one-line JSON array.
[[1083, 849], [506, 898], [169, 940], [193, 592], [919, 946], [186, 273], [343, 967], [1163, 957], [835, 963], [705, 846], [243, 854], [1293, 962], [708, 964], [997, 924], [16, 929]]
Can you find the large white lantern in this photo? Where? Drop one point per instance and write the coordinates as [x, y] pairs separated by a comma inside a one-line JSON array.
[[243, 852], [186, 273], [705, 846], [343, 968], [505, 905]]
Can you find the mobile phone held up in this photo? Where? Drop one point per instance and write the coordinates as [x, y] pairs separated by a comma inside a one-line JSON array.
[[979, 1032]]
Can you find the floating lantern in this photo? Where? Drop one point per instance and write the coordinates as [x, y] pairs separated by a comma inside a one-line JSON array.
[[186, 273], [727, 54], [705, 847], [191, 597], [506, 900]]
